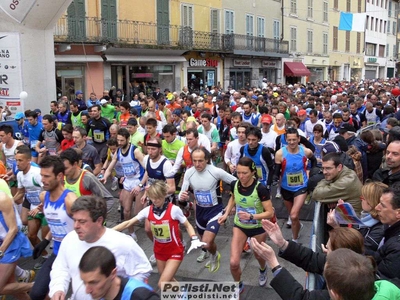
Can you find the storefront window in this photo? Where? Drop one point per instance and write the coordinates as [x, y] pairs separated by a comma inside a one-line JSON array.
[[143, 78], [199, 80], [69, 79], [269, 74], [239, 79]]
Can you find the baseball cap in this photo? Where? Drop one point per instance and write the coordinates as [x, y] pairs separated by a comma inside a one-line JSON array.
[[103, 101], [302, 112], [38, 111], [346, 127], [243, 100], [214, 99], [266, 119], [330, 147], [78, 92], [19, 116]]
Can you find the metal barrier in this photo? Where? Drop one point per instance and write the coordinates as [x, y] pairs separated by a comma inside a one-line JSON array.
[[317, 236]]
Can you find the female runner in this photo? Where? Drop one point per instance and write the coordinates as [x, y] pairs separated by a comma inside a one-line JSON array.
[[253, 203], [164, 218]]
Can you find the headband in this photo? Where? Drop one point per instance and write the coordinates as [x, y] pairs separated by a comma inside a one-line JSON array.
[[157, 145]]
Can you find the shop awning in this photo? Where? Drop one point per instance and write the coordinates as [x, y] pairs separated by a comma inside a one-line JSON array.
[[295, 69]]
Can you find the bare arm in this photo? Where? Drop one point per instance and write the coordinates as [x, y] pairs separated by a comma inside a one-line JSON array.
[[126, 224], [7, 209]]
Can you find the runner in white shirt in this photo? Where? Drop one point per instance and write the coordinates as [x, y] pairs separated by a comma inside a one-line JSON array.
[[203, 178], [29, 188], [232, 153], [268, 136]]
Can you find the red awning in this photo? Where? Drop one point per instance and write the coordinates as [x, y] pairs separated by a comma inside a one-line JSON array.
[[295, 69]]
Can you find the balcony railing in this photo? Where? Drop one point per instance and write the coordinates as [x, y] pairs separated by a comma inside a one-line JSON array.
[[152, 35]]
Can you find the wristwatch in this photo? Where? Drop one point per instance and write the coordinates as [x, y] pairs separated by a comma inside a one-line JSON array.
[[140, 185], [251, 217], [1, 254]]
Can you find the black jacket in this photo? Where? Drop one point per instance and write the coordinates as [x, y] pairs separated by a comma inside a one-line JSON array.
[[382, 175], [284, 283], [289, 288], [387, 256]]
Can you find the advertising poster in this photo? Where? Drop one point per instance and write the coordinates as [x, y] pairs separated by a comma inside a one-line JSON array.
[[17, 9], [10, 72]]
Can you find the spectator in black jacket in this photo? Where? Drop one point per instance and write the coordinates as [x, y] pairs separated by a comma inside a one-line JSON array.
[[283, 282]]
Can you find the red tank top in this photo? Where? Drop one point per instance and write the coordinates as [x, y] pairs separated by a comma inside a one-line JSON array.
[[186, 157], [166, 234]]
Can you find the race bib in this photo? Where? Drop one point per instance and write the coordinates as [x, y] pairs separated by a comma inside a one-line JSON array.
[[260, 173], [129, 170], [33, 197], [295, 179], [98, 136], [161, 232], [250, 210], [52, 151], [204, 198]]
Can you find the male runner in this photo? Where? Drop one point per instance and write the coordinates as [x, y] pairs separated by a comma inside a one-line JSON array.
[[204, 178], [56, 203], [131, 159]]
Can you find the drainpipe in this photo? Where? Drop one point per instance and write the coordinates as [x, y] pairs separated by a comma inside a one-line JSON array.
[[282, 11]]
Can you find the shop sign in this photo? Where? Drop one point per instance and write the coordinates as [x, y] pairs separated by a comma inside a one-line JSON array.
[[203, 62], [10, 71], [241, 62], [269, 64]]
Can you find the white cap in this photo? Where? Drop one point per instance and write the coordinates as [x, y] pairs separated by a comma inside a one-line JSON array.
[[362, 89], [214, 99], [371, 87], [194, 95], [290, 86], [103, 101], [275, 88], [243, 100], [264, 79], [232, 91]]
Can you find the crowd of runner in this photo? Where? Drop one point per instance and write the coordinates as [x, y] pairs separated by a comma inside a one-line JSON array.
[[174, 154]]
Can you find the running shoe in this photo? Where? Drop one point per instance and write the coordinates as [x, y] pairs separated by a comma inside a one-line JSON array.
[[278, 195], [114, 184], [187, 209], [152, 259], [203, 256], [246, 248], [262, 277], [133, 235], [214, 262], [241, 287], [39, 265], [27, 276], [289, 223], [301, 228]]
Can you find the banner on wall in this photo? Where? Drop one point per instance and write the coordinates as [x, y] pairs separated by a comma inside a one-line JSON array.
[[17, 9], [10, 72]]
